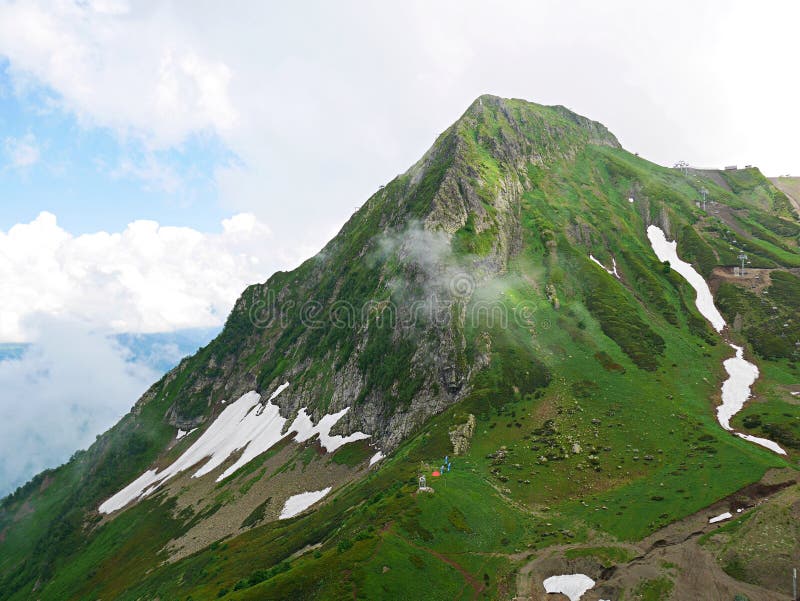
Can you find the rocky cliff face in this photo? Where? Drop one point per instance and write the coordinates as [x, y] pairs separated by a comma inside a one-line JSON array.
[[382, 306]]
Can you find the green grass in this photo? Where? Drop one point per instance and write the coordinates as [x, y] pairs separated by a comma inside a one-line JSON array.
[[770, 320], [353, 454], [657, 589], [779, 422], [468, 241]]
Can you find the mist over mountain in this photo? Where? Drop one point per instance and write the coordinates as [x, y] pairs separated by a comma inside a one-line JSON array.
[[71, 398]]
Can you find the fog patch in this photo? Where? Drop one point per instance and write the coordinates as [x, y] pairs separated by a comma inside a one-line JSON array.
[[70, 385]]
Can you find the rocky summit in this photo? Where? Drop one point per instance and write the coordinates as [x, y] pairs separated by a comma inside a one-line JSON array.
[[533, 363]]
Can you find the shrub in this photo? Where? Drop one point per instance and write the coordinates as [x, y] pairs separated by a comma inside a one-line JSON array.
[[344, 545]]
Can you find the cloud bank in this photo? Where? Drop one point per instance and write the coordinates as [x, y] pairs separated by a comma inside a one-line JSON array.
[[83, 302], [148, 278], [105, 315], [69, 386]]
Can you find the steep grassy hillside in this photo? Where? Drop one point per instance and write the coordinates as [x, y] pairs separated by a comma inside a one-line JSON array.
[[459, 304], [791, 187]]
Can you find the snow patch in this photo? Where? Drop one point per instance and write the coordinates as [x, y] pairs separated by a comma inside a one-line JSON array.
[[299, 503], [764, 442], [571, 585], [608, 271], [216, 444], [247, 425], [667, 251], [736, 391], [129, 493], [721, 517], [182, 433], [306, 429], [376, 458], [259, 430]]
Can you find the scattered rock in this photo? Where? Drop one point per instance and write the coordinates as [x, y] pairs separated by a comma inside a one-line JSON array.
[[499, 456]]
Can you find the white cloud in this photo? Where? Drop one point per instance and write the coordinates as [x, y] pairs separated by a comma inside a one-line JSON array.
[[117, 67], [321, 104], [23, 152], [56, 400], [148, 278], [152, 172]]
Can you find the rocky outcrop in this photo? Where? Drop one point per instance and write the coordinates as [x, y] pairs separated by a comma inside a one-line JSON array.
[[461, 436]]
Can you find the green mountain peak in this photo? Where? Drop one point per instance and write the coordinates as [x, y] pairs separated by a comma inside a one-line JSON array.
[[498, 304]]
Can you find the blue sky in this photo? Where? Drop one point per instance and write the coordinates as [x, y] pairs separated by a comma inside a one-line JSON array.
[[80, 174]]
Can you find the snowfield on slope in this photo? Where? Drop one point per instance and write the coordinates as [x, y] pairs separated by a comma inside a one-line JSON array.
[[573, 586], [299, 503], [735, 392], [720, 518], [668, 251], [741, 373], [246, 425], [182, 433]]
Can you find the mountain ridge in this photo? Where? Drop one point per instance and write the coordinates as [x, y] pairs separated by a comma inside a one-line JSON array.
[[451, 199]]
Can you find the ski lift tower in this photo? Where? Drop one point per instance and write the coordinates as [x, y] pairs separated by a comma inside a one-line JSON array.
[[742, 257], [704, 193], [683, 167]]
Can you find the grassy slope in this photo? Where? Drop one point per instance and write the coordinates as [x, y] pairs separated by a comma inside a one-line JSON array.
[[667, 415], [639, 402], [791, 187]]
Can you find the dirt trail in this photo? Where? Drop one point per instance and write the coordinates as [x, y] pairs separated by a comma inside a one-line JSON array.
[[728, 216], [754, 279], [474, 583]]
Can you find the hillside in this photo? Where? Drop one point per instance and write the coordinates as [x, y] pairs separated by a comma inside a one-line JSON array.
[[499, 304], [791, 187]]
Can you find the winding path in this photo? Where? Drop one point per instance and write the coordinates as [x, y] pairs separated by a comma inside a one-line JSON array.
[[477, 586]]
